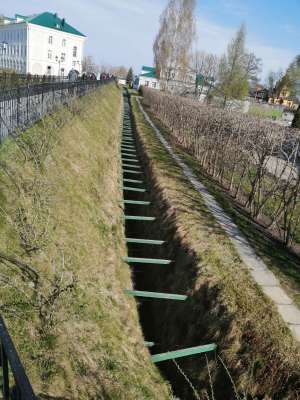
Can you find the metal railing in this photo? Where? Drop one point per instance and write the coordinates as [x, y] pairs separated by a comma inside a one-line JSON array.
[[22, 106], [10, 362]]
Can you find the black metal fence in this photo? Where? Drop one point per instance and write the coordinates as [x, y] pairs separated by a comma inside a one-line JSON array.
[[11, 367], [22, 106], [10, 80]]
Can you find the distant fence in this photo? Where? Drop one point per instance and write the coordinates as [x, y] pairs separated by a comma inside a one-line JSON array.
[[10, 80], [22, 106]]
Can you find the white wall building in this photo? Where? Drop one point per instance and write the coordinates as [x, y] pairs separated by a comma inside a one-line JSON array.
[[41, 44], [148, 77]]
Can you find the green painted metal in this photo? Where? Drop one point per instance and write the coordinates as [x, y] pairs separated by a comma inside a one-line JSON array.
[[137, 202], [144, 241], [171, 355], [132, 189], [139, 260], [132, 180], [124, 154], [149, 344], [132, 154], [129, 155], [131, 166], [155, 295], [138, 218], [129, 171], [133, 160], [127, 149]]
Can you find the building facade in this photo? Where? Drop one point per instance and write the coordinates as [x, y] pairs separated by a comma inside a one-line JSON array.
[[42, 44], [149, 78]]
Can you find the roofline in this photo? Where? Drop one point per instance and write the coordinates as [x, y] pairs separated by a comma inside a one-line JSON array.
[[13, 23], [57, 30]]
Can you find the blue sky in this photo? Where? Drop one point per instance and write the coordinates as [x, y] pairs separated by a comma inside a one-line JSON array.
[[121, 32]]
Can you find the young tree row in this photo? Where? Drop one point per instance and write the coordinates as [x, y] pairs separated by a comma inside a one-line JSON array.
[[252, 158]]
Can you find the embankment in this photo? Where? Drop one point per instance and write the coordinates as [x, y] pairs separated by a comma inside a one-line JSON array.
[[62, 291]]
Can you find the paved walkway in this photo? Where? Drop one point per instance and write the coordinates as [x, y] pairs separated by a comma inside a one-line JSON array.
[[258, 269]]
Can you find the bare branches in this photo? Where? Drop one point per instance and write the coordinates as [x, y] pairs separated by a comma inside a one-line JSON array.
[[252, 158], [173, 43]]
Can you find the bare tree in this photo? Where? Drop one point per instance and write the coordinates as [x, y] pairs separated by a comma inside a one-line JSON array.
[[206, 67], [89, 66], [173, 44], [119, 71]]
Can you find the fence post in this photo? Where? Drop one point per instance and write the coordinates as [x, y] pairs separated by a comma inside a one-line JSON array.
[[5, 376]]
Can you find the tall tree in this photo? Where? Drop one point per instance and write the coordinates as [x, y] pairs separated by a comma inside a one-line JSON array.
[[174, 41], [129, 78], [89, 66], [237, 68], [206, 66]]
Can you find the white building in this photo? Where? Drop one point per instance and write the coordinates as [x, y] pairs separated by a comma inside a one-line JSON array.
[[41, 44], [149, 78]]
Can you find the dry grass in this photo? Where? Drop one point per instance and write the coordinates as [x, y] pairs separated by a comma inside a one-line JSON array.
[[225, 306], [76, 331]]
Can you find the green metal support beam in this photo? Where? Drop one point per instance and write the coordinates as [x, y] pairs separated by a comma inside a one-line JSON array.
[[149, 344], [155, 295], [134, 161], [131, 189], [128, 171], [133, 154], [128, 149], [137, 202], [128, 155], [138, 218], [132, 180], [144, 241], [138, 260], [171, 355], [131, 166]]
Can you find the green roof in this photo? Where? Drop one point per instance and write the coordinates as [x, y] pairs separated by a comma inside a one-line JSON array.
[[149, 75], [148, 69], [50, 20], [148, 72]]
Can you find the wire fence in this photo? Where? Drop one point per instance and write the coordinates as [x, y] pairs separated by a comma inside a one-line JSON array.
[[22, 106]]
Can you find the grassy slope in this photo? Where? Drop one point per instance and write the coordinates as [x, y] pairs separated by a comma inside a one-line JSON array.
[[61, 214], [251, 337]]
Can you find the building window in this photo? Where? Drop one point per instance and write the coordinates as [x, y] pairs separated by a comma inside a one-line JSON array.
[[63, 43], [63, 57], [147, 83], [75, 51], [49, 55], [50, 40], [154, 85]]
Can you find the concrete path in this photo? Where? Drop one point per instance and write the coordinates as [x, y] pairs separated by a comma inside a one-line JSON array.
[[258, 269]]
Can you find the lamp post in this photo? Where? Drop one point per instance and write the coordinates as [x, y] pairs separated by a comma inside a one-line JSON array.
[[59, 60], [3, 48]]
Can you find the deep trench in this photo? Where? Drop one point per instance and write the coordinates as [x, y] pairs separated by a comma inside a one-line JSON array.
[[171, 325]]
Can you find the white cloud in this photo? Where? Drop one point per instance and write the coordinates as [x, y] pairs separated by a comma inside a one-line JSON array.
[[214, 38]]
